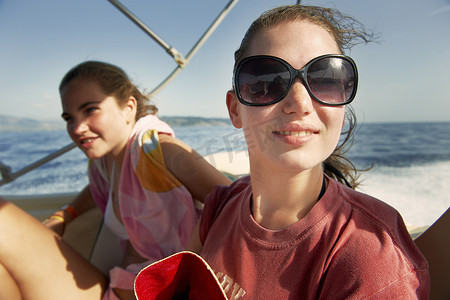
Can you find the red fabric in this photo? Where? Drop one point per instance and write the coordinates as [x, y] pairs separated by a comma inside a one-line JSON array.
[[349, 246], [183, 275]]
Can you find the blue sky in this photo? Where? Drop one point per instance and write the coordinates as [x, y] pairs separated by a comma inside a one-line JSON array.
[[404, 78]]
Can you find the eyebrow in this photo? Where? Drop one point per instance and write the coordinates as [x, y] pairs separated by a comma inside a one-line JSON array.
[[82, 106]]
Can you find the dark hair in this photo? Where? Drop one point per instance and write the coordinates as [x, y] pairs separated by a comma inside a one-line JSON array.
[[113, 81], [347, 33]]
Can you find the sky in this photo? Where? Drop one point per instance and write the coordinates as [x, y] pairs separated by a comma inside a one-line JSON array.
[[404, 77]]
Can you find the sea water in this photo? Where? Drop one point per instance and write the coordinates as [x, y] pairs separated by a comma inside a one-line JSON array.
[[410, 163]]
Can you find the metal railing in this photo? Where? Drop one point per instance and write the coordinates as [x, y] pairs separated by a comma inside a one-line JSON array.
[[181, 61], [179, 58]]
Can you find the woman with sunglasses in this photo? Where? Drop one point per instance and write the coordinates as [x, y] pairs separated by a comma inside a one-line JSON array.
[[293, 229], [142, 178]]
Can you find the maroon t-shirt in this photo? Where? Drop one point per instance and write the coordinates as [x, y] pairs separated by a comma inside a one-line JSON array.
[[349, 246]]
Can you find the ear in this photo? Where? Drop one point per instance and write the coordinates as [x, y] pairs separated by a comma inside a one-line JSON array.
[[130, 109], [233, 109]]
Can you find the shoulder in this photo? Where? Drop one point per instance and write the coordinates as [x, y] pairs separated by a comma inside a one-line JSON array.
[[151, 122], [374, 247], [146, 137], [223, 197], [172, 146], [372, 218], [368, 209], [146, 131], [222, 194]]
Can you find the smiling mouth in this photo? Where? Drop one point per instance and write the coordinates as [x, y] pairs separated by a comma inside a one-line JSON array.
[[85, 141], [294, 133]]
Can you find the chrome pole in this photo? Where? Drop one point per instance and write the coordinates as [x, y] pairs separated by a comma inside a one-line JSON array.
[[172, 51], [196, 47]]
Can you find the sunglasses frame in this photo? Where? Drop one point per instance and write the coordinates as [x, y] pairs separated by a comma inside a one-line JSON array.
[[294, 73]]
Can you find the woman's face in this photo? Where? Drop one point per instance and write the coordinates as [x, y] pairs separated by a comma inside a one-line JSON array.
[[94, 120], [297, 133]]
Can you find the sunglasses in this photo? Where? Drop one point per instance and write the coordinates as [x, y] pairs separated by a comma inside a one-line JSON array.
[[264, 80]]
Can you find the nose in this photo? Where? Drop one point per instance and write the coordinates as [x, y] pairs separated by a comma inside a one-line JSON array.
[[77, 127], [298, 99]]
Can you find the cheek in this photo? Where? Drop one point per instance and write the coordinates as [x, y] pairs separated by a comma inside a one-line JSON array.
[[258, 123], [71, 133], [259, 117], [333, 119], [331, 116], [338, 120], [335, 125]]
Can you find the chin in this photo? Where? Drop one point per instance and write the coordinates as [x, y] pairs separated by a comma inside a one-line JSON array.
[[300, 161], [92, 155]]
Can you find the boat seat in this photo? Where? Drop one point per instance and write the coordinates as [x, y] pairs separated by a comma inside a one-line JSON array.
[[233, 164]]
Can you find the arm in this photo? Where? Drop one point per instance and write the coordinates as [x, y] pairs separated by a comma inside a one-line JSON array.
[[194, 172], [435, 246], [84, 201], [81, 203]]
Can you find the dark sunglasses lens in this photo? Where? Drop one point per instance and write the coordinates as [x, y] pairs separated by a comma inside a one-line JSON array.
[[332, 80], [262, 80]]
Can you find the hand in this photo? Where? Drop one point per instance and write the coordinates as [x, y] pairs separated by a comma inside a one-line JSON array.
[[56, 223]]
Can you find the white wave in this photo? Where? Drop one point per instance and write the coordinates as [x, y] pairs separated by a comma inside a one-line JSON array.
[[420, 193]]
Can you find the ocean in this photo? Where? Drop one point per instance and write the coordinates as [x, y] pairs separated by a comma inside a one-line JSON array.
[[411, 162]]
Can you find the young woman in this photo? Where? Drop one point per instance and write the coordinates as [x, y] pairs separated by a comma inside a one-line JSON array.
[[142, 178], [291, 230]]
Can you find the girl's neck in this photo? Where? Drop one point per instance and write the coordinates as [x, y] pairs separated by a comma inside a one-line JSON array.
[[117, 156], [280, 200], [115, 160]]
